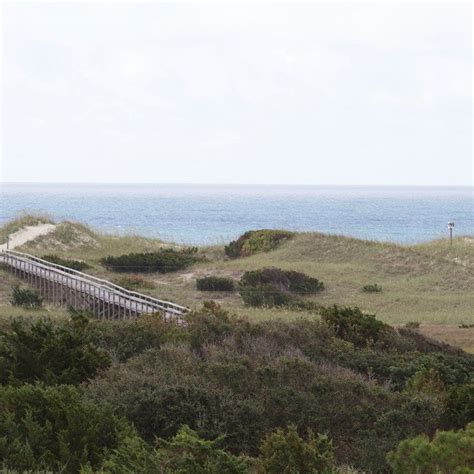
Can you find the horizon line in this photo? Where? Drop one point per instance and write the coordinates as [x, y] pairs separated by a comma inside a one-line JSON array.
[[243, 184]]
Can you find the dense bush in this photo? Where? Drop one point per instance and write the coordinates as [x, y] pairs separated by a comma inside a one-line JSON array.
[[353, 325], [276, 287], [163, 261], [49, 352], [219, 374], [447, 452], [186, 452], [256, 241], [372, 288], [286, 452], [264, 295], [215, 283], [124, 339], [67, 262], [286, 280], [26, 298], [52, 429]]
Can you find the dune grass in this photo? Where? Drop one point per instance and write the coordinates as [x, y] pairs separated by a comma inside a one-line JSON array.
[[429, 283], [22, 220]]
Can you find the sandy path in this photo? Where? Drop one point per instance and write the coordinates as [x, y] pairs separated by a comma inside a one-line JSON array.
[[26, 234]]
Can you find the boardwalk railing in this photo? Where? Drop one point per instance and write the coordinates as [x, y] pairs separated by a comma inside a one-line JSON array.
[[68, 287]]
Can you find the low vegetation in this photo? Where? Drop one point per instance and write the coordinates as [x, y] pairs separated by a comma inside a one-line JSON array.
[[372, 288], [163, 261], [67, 262], [21, 221], [276, 287], [215, 283], [352, 325], [53, 353], [134, 282], [221, 394], [54, 429], [430, 283], [26, 297], [275, 389], [448, 451], [256, 241]]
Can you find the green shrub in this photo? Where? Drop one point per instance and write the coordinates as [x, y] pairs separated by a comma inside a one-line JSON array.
[[52, 429], [264, 295], [460, 405], [67, 262], [220, 374], [286, 452], [372, 288], [353, 325], [215, 283], [186, 452], [412, 325], [26, 298], [447, 452], [49, 352], [276, 287], [256, 241], [286, 280], [162, 261]]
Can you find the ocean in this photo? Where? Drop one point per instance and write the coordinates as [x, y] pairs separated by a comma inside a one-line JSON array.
[[209, 214]]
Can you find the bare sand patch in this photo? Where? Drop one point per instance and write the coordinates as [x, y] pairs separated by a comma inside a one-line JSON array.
[[27, 234]]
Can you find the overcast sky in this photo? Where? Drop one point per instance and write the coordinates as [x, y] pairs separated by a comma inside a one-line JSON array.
[[246, 93]]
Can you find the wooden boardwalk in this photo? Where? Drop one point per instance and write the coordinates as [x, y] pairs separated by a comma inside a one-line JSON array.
[[66, 287]]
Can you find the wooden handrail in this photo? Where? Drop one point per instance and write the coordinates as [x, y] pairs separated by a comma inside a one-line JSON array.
[[134, 296]]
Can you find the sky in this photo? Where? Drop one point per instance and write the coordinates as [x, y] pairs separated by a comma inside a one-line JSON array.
[[257, 93]]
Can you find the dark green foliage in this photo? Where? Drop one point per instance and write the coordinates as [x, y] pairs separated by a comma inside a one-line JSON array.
[[163, 261], [276, 287], [285, 280], [49, 352], [186, 452], [67, 262], [264, 295], [460, 405], [365, 386], [353, 325], [219, 374], [255, 241], [447, 452], [26, 298], [215, 283], [412, 325], [372, 288], [286, 452], [54, 429], [122, 340]]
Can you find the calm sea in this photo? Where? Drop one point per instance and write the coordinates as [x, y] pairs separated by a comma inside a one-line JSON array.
[[202, 214]]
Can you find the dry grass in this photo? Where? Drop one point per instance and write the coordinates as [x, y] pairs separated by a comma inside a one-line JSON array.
[[451, 334]]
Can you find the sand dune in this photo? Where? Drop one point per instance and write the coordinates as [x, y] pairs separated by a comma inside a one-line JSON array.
[[26, 234]]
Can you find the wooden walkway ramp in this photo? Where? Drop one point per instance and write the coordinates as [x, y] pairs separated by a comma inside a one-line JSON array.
[[66, 287]]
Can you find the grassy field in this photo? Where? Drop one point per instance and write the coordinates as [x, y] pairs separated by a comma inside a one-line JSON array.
[[430, 283]]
